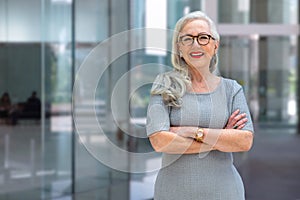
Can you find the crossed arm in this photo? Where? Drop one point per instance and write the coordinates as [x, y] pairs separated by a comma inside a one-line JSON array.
[[180, 140]]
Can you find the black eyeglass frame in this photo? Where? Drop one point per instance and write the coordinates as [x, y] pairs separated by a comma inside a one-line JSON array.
[[197, 37]]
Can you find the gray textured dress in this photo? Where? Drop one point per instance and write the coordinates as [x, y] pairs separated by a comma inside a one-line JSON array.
[[207, 176]]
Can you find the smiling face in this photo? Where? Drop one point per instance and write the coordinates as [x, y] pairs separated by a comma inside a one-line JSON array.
[[196, 55]]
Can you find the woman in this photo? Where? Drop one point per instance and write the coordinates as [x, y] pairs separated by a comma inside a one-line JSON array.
[[197, 119]]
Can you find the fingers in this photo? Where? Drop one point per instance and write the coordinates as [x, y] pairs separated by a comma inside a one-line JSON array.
[[236, 120], [239, 118], [240, 124], [233, 118]]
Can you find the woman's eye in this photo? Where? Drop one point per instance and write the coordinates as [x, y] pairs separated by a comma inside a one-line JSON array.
[[203, 37], [187, 39]]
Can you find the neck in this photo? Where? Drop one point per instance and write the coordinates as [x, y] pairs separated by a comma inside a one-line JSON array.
[[203, 80], [200, 74]]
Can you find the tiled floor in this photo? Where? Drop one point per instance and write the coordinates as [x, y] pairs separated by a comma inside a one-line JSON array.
[[271, 170]]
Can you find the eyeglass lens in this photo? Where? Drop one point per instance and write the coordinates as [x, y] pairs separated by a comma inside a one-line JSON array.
[[189, 40]]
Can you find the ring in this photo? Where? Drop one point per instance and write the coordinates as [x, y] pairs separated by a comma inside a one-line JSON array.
[[235, 127]]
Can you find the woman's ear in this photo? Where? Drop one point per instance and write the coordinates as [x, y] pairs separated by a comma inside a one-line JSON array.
[[216, 47]]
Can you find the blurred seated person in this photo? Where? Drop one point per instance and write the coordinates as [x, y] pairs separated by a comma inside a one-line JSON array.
[[31, 109], [5, 105], [33, 103]]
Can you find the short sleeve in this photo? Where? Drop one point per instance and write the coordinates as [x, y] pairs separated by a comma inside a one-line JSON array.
[[157, 115], [239, 102]]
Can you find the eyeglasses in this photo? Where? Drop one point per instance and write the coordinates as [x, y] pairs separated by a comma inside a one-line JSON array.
[[202, 39]]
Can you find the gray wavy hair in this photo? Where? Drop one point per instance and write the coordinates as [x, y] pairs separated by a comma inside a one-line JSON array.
[[172, 86]]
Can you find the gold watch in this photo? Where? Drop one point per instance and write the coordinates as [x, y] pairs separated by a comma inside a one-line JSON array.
[[199, 135]]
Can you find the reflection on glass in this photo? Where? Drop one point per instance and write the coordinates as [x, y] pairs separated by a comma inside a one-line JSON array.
[[277, 87], [269, 81], [258, 11], [234, 11]]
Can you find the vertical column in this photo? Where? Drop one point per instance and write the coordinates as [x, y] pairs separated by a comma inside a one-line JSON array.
[[120, 21], [258, 13], [298, 79], [254, 77]]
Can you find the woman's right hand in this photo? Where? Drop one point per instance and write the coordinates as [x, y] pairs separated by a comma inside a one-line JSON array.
[[236, 120]]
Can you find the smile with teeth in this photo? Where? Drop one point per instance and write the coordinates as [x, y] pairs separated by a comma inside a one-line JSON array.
[[196, 54]]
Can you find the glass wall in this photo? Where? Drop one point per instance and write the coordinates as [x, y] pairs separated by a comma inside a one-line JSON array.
[[36, 72], [92, 78], [267, 62], [269, 81], [56, 123], [277, 82], [258, 11], [96, 129]]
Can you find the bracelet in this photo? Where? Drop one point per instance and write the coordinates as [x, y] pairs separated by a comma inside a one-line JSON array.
[[199, 135]]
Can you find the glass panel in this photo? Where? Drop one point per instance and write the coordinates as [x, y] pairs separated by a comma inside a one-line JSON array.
[[21, 21], [57, 92], [177, 8], [97, 130], [234, 11], [36, 73], [278, 79], [258, 11], [269, 81], [20, 121], [244, 69]]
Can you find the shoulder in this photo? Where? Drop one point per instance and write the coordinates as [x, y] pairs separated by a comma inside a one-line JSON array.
[[232, 86]]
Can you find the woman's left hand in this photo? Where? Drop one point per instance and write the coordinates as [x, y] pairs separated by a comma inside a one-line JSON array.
[[236, 120]]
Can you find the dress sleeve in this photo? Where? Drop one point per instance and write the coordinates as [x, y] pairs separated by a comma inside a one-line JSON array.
[[157, 115], [239, 102]]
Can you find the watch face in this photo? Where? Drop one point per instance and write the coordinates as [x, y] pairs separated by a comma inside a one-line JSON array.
[[200, 135]]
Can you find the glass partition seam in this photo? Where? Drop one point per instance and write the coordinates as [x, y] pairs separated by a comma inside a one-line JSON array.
[[130, 26], [43, 82], [73, 139]]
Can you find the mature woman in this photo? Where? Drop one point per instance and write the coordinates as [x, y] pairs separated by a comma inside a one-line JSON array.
[[197, 119]]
